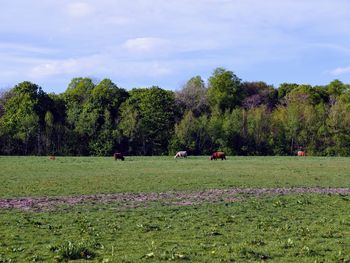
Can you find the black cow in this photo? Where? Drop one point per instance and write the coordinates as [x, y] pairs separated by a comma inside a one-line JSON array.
[[118, 156]]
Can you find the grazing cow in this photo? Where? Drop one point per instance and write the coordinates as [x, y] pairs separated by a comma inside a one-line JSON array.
[[218, 155], [180, 154], [118, 156], [52, 157], [301, 153]]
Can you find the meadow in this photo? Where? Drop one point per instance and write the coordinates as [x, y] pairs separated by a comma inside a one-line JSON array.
[[299, 227]]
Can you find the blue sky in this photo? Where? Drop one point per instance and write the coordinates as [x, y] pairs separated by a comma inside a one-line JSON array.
[[141, 43]]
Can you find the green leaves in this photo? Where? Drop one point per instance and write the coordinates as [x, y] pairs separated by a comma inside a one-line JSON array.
[[224, 90], [148, 120]]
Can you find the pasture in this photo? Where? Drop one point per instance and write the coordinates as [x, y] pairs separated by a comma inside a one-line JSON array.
[[157, 209]]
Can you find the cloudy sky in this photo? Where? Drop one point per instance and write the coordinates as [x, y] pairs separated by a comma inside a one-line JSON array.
[[140, 43]]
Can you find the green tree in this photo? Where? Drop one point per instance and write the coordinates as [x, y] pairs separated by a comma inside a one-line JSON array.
[[286, 88], [338, 123], [76, 97], [148, 116], [24, 118], [216, 132], [93, 114], [224, 92], [191, 134], [258, 128], [336, 88], [233, 132]]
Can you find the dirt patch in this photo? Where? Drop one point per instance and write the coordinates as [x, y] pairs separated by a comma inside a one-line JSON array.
[[130, 200]]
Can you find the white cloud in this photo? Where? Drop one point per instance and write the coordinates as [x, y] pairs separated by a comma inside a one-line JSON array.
[[100, 65], [154, 40], [151, 68], [80, 9], [145, 44], [19, 48], [70, 66], [340, 71]]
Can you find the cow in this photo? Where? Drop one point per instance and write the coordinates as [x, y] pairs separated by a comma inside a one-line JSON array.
[[52, 157], [218, 155], [180, 154], [301, 153], [118, 156]]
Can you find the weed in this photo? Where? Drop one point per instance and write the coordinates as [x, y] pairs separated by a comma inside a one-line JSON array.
[[74, 250], [308, 252], [249, 253], [288, 244], [148, 227], [5, 260], [257, 242]]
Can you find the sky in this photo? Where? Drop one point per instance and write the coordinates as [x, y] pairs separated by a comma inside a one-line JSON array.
[[141, 43]]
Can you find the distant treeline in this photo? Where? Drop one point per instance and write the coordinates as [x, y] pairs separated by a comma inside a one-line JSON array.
[[240, 118]]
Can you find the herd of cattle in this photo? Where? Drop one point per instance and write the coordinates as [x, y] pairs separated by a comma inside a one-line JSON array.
[[180, 154], [214, 156], [183, 154]]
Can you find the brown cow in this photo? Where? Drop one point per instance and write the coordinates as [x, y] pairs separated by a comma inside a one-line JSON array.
[[118, 156], [218, 155], [301, 153]]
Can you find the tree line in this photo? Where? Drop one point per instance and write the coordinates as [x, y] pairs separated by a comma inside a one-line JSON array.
[[227, 114]]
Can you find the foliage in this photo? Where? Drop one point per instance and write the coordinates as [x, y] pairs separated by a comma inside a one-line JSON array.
[[224, 90], [193, 97], [147, 120], [258, 93], [191, 134], [240, 118]]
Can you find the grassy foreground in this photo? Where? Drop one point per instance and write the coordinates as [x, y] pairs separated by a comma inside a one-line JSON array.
[[289, 228], [300, 228], [39, 176]]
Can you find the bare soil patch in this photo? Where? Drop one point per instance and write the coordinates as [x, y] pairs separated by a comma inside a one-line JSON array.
[[132, 200]]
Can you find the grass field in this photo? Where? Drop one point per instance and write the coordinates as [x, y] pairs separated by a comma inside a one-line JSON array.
[[38, 176], [304, 227]]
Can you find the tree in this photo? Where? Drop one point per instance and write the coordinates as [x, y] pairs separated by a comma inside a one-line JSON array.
[[191, 134], [338, 123], [103, 108], [285, 88], [185, 136], [224, 92], [76, 97], [55, 125], [258, 124], [148, 117], [233, 131], [93, 115], [193, 97], [24, 117], [258, 93], [336, 88]]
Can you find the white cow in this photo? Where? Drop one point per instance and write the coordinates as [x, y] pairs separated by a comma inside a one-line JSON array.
[[180, 154]]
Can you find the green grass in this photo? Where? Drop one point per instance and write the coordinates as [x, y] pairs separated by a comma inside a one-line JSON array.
[[38, 176], [290, 228], [295, 228]]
